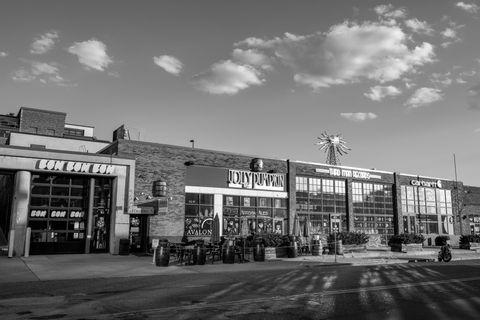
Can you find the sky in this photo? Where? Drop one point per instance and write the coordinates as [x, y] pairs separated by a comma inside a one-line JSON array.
[[398, 80]]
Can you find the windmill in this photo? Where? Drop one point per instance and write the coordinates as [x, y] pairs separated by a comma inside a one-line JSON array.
[[334, 146]]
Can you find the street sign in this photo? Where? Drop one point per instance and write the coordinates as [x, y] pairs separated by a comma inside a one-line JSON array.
[[141, 210]]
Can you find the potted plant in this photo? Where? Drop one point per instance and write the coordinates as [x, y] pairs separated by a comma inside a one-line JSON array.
[[405, 242], [441, 240], [470, 241], [350, 241], [275, 245]]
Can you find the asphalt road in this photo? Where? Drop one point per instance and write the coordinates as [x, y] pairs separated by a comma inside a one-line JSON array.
[[397, 291]]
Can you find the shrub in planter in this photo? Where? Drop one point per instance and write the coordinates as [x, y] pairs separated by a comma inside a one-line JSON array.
[[466, 239], [406, 238], [348, 238], [441, 240]]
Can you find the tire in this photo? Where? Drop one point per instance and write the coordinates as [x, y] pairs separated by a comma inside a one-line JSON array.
[[447, 257]]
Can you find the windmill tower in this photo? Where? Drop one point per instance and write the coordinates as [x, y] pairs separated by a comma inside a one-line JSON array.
[[334, 146]]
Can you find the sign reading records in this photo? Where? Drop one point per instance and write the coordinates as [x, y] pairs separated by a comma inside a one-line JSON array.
[[256, 180]]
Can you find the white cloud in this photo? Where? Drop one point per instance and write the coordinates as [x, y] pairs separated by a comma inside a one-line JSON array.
[[389, 11], [441, 79], [92, 54], [3, 54], [168, 63], [460, 81], [227, 77], [359, 116], [252, 57], [44, 43], [377, 93], [41, 71], [424, 96], [347, 53], [449, 33], [469, 7], [419, 26]]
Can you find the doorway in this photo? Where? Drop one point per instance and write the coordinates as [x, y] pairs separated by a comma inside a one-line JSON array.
[[6, 195]]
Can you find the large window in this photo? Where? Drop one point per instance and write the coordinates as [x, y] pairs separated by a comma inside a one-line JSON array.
[[430, 207], [246, 215], [198, 214], [57, 215], [373, 208], [321, 201]]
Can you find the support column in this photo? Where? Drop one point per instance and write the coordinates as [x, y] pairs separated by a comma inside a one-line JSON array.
[[21, 201], [91, 194], [350, 214]]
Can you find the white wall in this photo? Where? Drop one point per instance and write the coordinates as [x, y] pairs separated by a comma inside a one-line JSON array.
[[56, 143]]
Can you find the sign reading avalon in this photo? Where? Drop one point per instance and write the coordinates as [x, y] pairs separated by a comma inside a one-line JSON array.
[[256, 180]]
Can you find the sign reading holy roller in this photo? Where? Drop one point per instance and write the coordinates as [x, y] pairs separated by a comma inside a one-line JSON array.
[[256, 180]]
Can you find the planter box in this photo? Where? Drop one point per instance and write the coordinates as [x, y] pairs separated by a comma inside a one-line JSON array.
[[354, 248], [410, 247], [270, 253], [281, 252]]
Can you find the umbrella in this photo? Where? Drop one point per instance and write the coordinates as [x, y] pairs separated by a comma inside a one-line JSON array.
[[244, 230], [307, 227], [215, 229], [297, 231]]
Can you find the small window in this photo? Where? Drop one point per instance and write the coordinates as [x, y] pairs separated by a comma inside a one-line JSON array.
[[50, 132]]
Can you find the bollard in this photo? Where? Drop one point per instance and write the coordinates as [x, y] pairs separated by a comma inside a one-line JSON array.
[[162, 254], [27, 242], [11, 240]]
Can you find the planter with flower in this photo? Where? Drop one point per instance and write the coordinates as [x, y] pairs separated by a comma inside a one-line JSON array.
[[406, 242]]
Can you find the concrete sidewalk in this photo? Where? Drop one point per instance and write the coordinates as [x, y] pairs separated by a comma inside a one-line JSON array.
[[88, 266]]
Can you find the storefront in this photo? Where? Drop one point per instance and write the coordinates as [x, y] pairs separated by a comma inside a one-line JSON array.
[[334, 199], [246, 201], [63, 202]]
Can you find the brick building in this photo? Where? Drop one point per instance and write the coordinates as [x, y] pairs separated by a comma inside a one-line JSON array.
[[76, 194]]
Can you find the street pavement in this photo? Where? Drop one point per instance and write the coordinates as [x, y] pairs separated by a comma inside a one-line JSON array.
[[89, 266]]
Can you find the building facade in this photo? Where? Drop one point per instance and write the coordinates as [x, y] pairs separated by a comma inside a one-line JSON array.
[[63, 191]]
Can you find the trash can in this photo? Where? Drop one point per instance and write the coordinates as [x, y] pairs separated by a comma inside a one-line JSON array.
[[162, 254], [259, 250], [316, 247], [199, 255], [292, 250], [124, 247], [228, 252]]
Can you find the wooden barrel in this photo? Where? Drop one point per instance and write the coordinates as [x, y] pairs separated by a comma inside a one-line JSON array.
[[337, 247], [316, 247], [162, 255]]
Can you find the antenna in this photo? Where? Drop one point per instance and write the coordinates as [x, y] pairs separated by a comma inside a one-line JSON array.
[[193, 143]]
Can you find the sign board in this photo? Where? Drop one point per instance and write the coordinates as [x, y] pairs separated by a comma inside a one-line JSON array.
[[77, 167], [141, 210], [256, 180], [155, 243]]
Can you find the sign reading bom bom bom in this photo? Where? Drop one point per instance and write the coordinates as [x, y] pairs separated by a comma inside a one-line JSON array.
[[78, 167], [256, 180]]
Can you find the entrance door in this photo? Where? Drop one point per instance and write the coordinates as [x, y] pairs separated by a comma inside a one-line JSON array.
[[101, 215], [138, 233], [6, 187]]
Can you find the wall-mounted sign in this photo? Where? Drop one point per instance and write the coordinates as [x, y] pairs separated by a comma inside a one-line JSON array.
[[71, 166], [428, 184], [141, 210], [346, 173], [256, 180]]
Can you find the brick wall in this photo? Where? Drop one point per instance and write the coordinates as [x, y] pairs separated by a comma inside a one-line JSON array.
[[166, 162], [43, 120]]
